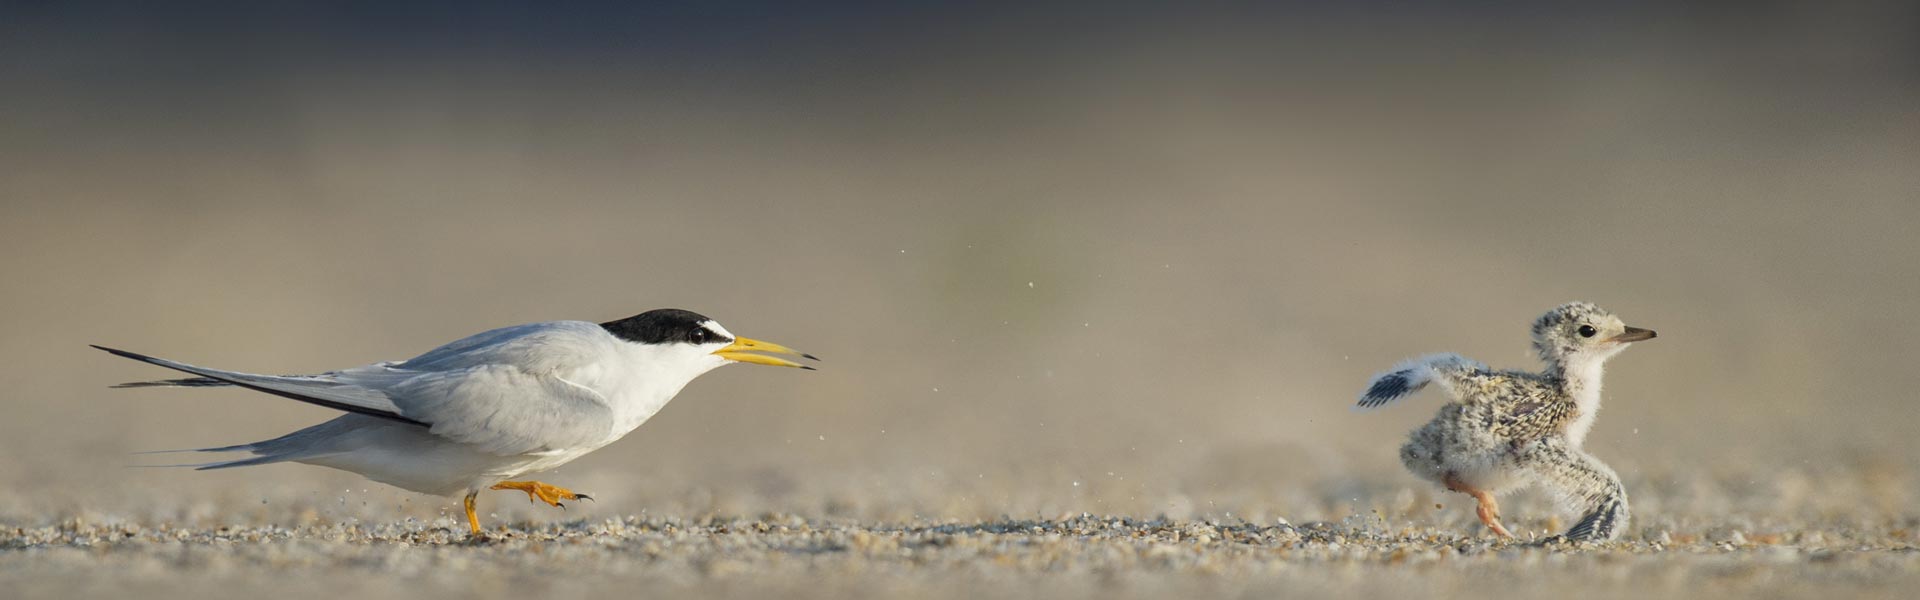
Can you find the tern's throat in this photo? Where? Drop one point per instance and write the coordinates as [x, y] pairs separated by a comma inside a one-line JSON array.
[[1580, 380]]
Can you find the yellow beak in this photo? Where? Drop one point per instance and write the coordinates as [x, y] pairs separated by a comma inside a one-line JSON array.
[[742, 349]]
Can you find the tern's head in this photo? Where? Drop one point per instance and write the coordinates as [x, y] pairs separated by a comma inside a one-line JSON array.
[[686, 341], [1579, 332]]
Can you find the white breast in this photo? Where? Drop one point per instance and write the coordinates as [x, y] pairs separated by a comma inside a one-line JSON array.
[[639, 380], [1584, 383]]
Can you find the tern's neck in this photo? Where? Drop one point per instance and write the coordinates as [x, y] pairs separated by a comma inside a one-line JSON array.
[[1580, 380], [1578, 373], [643, 378]]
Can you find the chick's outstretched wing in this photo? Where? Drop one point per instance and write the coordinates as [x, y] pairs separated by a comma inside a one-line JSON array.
[[1450, 370]]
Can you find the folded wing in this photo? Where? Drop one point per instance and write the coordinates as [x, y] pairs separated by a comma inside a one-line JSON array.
[[331, 394], [504, 391]]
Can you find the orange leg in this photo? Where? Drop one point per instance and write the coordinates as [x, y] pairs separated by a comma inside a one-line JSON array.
[[1489, 510], [550, 494], [473, 520]]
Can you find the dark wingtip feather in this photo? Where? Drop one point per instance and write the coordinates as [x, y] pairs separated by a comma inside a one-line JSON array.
[[126, 354], [333, 404], [185, 382], [121, 353], [1386, 388], [106, 349]]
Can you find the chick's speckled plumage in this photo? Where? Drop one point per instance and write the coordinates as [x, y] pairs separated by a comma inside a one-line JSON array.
[[1508, 428]]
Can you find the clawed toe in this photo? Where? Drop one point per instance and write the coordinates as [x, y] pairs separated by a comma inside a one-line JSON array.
[[550, 494]]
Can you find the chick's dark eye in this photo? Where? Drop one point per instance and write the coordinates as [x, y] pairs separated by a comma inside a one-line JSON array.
[[1587, 331]]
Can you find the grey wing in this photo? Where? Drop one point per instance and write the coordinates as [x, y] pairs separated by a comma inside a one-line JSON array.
[[506, 390], [503, 391], [209, 381], [536, 347], [503, 409], [1409, 377], [312, 390]]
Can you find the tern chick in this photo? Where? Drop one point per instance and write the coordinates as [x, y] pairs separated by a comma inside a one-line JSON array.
[[472, 414], [1505, 429]]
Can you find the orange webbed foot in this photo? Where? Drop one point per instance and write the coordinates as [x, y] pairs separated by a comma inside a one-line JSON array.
[[550, 494]]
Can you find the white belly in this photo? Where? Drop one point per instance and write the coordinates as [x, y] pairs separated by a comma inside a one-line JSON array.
[[409, 457]]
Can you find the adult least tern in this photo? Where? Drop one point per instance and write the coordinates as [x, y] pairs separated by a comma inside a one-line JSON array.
[[475, 413], [1508, 428]]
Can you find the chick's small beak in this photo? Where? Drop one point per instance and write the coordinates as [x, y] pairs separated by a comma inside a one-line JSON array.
[[1633, 334], [745, 350]]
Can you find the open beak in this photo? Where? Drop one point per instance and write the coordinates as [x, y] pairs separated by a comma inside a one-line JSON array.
[[745, 350], [1633, 334]]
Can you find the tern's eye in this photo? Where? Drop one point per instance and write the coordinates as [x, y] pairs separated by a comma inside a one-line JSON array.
[[1587, 331], [701, 336]]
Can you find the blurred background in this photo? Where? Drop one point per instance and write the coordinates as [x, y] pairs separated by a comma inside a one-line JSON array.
[[1121, 260]]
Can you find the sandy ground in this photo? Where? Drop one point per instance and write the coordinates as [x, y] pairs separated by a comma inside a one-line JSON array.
[[1834, 534], [790, 556]]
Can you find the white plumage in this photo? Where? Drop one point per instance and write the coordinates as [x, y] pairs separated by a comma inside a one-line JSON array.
[[492, 406]]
